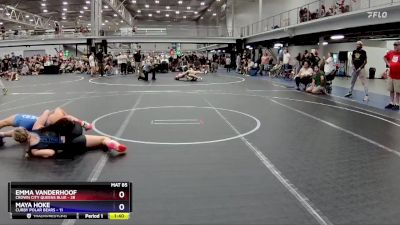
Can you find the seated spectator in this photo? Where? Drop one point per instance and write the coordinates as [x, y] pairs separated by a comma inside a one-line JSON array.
[[304, 76], [322, 12], [25, 69], [318, 82]]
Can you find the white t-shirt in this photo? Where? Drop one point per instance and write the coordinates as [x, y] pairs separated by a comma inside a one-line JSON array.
[[119, 61], [306, 72], [329, 66], [91, 60], [123, 59], [286, 58], [251, 64]]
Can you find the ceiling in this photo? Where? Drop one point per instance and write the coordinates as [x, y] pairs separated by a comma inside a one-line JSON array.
[[72, 13]]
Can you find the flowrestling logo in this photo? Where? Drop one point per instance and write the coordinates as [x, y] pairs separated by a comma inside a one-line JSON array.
[[377, 15]]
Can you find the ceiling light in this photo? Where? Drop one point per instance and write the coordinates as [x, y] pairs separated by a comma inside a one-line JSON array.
[[27, 16], [64, 9], [278, 45], [184, 17], [80, 16], [89, 24], [139, 11], [180, 2], [106, 6], [167, 15], [324, 43], [81, 12], [196, 13], [158, 11], [1, 9], [209, 10], [201, 17], [177, 12], [1, 23], [188, 7], [43, 4], [122, 21], [115, 15], [214, 14], [202, 3], [106, 21], [65, 3], [157, 2], [103, 24], [64, 18], [85, 7], [44, 10], [150, 15], [218, 0], [63, 14], [134, 2], [88, 2], [31, 20], [147, 6], [337, 37], [117, 23], [167, 7]]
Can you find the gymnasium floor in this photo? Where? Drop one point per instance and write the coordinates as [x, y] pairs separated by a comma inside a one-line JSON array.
[[226, 150]]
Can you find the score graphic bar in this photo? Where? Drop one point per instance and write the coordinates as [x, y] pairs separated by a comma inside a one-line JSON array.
[[63, 200]]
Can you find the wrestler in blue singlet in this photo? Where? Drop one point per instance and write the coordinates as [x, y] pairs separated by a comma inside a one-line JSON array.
[[26, 121]]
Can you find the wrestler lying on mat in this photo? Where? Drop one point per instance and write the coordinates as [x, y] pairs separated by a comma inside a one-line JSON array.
[[63, 139], [27, 121]]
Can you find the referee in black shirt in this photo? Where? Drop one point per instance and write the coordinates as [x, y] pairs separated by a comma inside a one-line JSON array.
[[359, 61]]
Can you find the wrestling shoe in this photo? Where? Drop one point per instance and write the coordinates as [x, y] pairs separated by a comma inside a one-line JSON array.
[[117, 149], [366, 98], [396, 107], [115, 146], [5, 90], [390, 106], [348, 95]]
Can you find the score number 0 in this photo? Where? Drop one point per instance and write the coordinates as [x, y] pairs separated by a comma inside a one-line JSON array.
[[121, 195]]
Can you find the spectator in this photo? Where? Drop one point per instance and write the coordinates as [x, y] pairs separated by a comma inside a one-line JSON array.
[[138, 63], [318, 82], [57, 29], [304, 75], [228, 64], [3, 32], [329, 65], [124, 63], [264, 63], [286, 59], [392, 60], [238, 63]]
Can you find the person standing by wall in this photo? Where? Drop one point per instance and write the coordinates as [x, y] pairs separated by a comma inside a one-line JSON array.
[[359, 61], [3, 32], [138, 63], [92, 64], [124, 63], [228, 64], [100, 62], [264, 63], [392, 60], [238, 62], [286, 59]]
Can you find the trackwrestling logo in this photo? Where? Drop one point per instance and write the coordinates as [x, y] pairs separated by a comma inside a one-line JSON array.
[[377, 15]]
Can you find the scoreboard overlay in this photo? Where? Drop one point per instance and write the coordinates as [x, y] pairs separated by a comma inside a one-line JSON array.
[[70, 200]]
